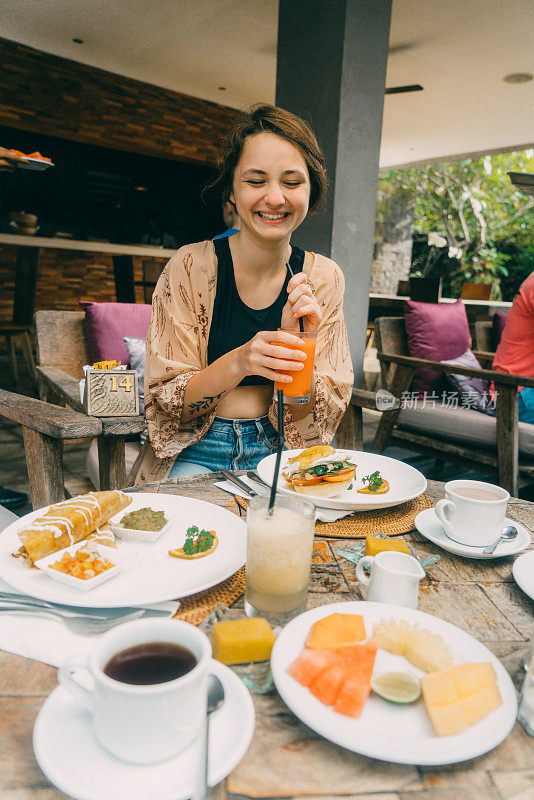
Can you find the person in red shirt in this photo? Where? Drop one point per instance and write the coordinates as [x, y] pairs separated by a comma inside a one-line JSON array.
[[515, 353]]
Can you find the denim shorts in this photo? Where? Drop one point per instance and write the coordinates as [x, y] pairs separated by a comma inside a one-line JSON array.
[[227, 444]]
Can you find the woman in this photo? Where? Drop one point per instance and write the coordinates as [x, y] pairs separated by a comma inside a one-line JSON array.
[[214, 348]]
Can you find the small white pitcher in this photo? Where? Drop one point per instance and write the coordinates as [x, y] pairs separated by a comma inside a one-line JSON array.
[[394, 578]]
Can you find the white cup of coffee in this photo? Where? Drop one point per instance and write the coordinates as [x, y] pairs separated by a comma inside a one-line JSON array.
[[145, 685], [473, 512], [394, 578]]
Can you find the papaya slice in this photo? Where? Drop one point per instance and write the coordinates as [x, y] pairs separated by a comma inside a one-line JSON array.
[[336, 630]]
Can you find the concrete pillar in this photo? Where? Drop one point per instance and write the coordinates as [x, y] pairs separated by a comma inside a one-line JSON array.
[[331, 71]]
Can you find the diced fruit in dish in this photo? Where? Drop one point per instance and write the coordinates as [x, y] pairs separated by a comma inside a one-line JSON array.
[[340, 677], [460, 696], [238, 641], [425, 650], [336, 630], [374, 545], [310, 663], [397, 687]]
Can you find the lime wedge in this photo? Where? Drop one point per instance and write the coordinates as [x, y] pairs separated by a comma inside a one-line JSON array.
[[397, 687]]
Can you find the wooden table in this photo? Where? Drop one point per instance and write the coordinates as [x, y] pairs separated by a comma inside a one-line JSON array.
[[288, 760]]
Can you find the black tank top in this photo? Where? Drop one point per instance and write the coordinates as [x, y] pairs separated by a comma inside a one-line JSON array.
[[233, 322]]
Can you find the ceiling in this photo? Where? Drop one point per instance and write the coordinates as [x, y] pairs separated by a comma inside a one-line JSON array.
[[458, 50]]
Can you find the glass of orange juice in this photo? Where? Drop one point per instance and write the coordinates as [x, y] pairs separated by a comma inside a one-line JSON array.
[[299, 390]]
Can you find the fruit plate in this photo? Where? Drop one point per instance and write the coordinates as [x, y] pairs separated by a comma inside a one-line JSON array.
[[405, 481], [401, 734]]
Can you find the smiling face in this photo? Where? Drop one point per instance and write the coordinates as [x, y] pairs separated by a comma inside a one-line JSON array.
[[271, 187]]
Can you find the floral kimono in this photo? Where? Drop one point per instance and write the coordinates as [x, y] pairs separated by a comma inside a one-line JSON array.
[[177, 344]]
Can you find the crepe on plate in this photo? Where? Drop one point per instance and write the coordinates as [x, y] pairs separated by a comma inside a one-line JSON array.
[[69, 522]]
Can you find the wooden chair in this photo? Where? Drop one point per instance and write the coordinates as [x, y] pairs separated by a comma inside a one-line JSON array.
[[17, 332], [45, 427], [61, 354], [398, 370]]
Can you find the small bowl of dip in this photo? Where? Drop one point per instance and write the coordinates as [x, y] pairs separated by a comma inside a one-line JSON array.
[[142, 525]]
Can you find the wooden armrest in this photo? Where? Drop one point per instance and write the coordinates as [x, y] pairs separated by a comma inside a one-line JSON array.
[[483, 355], [63, 385], [67, 387], [55, 421], [365, 399], [499, 378]]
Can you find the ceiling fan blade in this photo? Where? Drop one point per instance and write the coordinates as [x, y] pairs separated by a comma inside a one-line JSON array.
[[414, 87]]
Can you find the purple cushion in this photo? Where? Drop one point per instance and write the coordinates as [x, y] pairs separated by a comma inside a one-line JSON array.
[[106, 325], [470, 392], [499, 321], [437, 331]]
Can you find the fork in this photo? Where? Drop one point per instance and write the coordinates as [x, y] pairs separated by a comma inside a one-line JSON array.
[[83, 626]]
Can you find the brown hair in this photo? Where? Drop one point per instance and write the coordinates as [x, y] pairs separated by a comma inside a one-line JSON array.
[[288, 126]]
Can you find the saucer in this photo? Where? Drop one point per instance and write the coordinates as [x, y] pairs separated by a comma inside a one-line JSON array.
[[71, 758], [430, 527], [523, 572]]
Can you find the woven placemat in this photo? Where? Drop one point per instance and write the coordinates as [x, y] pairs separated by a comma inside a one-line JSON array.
[[197, 607], [388, 521]]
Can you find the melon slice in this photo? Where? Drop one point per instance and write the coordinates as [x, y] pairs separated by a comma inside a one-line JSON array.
[[327, 685], [460, 696], [336, 630], [353, 693], [310, 663]]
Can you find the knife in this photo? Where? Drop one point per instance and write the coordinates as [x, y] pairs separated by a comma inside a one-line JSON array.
[[237, 482]]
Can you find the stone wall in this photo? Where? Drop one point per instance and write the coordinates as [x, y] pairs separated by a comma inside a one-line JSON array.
[[393, 242]]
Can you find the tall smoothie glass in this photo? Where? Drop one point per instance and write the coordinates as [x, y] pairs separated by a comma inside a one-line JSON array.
[[279, 551], [299, 390]]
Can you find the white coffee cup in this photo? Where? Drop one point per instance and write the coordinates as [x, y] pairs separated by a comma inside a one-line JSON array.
[[142, 724], [477, 520], [394, 578]]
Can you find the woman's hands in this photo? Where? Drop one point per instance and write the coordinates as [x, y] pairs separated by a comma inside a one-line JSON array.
[[301, 303], [265, 355]]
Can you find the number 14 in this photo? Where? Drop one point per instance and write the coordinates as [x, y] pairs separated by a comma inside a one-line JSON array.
[[125, 383]]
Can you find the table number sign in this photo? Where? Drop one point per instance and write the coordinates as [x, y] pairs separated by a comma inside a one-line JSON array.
[[111, 392]]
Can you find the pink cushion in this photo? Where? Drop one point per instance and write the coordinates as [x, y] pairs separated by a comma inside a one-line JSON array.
[[107, 323], [499, 321], [438, 331]]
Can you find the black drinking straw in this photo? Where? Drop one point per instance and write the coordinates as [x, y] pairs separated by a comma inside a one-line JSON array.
[[280, 443], [279, 447]]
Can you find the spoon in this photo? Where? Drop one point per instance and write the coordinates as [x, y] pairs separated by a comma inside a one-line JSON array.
[[215, 701], [510, 533]]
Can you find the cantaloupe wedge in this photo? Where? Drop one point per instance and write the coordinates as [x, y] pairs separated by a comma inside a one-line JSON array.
[[336, 630], [327, 685], [310, 663]]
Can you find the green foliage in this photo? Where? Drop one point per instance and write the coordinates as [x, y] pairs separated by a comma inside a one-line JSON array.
[[473, 204]]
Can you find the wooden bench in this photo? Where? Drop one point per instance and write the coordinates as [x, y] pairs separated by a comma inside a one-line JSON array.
[[61, 353], [422, 430]]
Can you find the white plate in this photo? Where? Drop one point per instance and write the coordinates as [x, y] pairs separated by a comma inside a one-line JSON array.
[[150, 574], [390, 732], [117, 559], [135, 535], [71, 758], [431, 528], [523, 571], [405, 481]]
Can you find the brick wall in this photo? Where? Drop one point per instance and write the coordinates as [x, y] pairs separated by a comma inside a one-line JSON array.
[[46, 94], [65, 277]]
